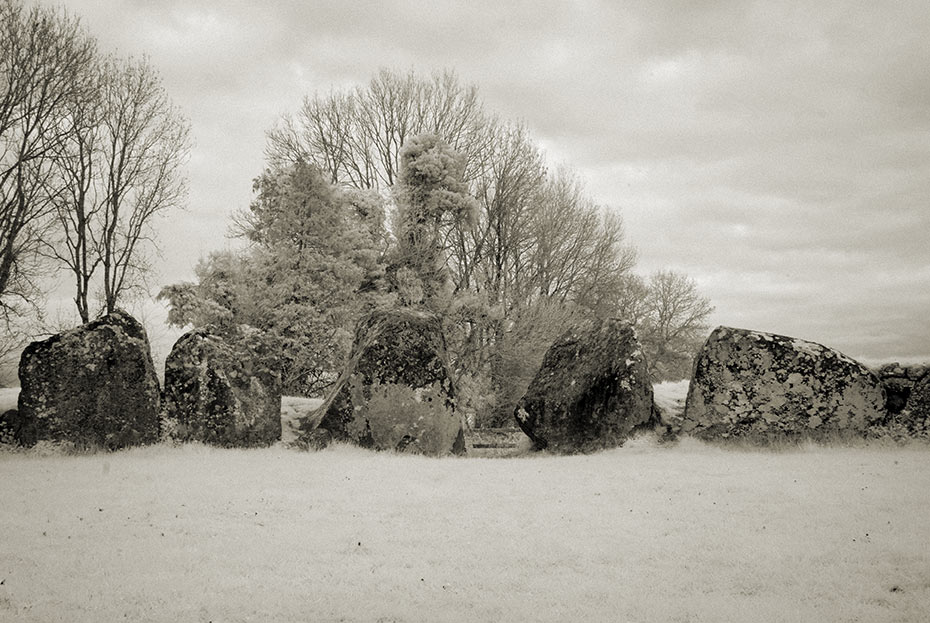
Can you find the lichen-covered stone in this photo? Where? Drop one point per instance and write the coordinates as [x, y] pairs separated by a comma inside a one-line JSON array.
[[396, 392], [763, 386], [225, 389], [591, 391], [915, 417], [917, 371], [898, 382], [93, 386], [15, 430]]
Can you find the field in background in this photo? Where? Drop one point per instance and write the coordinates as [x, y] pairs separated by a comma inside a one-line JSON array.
[[642, 533], [670, 396]]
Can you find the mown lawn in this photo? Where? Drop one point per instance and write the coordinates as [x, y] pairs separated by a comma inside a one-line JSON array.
[[642, 533]]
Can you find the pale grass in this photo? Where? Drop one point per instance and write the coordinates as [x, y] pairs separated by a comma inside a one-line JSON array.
[[8, 398], [646, 532]]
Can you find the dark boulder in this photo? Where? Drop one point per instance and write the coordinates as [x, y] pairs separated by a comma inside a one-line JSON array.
[[915, 417], [897, 386], [396, 392], [15, 430], [763, 387], [224, 389], [93, 386], [898, 382], [591, 391]]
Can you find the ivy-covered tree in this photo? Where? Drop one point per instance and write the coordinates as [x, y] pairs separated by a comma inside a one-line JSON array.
[[430, 193]]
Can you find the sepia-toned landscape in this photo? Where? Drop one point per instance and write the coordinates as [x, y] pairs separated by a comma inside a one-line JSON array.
[[550, 311]]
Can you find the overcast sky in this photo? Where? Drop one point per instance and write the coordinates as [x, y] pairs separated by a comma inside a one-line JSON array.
[[778, 153]]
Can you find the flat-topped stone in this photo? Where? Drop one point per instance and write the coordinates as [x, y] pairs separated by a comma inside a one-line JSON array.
[[93, 386], [762, 385]]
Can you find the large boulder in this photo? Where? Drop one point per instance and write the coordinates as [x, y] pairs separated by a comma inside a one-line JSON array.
[[224, 389], [396, 392], [916, 414], [908, 389], [94, 386], [898, 381], [763, 387], [591, 391], [15, 430]]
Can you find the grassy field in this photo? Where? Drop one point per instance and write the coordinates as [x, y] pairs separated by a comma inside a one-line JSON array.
[[646, 532]]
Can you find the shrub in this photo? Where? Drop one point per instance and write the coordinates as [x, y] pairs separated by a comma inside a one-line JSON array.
[[398, 417]]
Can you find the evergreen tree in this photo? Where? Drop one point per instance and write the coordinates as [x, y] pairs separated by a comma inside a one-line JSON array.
[[314, 250]]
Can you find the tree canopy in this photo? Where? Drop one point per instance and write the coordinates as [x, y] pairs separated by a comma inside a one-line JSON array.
[[314, 249], [91, 150], [405, 191]]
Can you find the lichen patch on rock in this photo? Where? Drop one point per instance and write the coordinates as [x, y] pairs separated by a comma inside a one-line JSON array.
[[224, 389], [591, 391], [766, 386], [396, 392], [93, 386]]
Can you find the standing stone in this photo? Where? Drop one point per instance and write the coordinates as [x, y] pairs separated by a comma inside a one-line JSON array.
[[897, 384], [763, 386], [591, 391], [396, 392], [93, 386], [915, 416], [14, 430], [224, 390]]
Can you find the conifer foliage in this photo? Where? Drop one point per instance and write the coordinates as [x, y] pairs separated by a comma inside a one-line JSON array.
[[313, 246]]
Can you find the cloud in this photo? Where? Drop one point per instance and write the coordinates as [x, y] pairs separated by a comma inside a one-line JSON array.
[[777, 152]]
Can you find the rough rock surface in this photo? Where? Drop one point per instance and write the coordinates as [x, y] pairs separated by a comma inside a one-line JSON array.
[[916, 414], [396, 392], [94, 386], [224, 390], [14, 430], [591, 391], [763, 387], [908, 391], [898, 382]]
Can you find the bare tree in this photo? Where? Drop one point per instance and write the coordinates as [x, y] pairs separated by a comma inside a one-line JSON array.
[[80, 198], [356, 136], [492, 257], [121, 166], [632, 303], [674, 323], [147, 142], [43, 53], [580, 253]]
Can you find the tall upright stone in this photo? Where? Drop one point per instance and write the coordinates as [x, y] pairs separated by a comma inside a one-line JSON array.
[[763, 386], [898, 381], [93, 386], [396, 392], [916, 413], [225, 389], [591, 391]]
